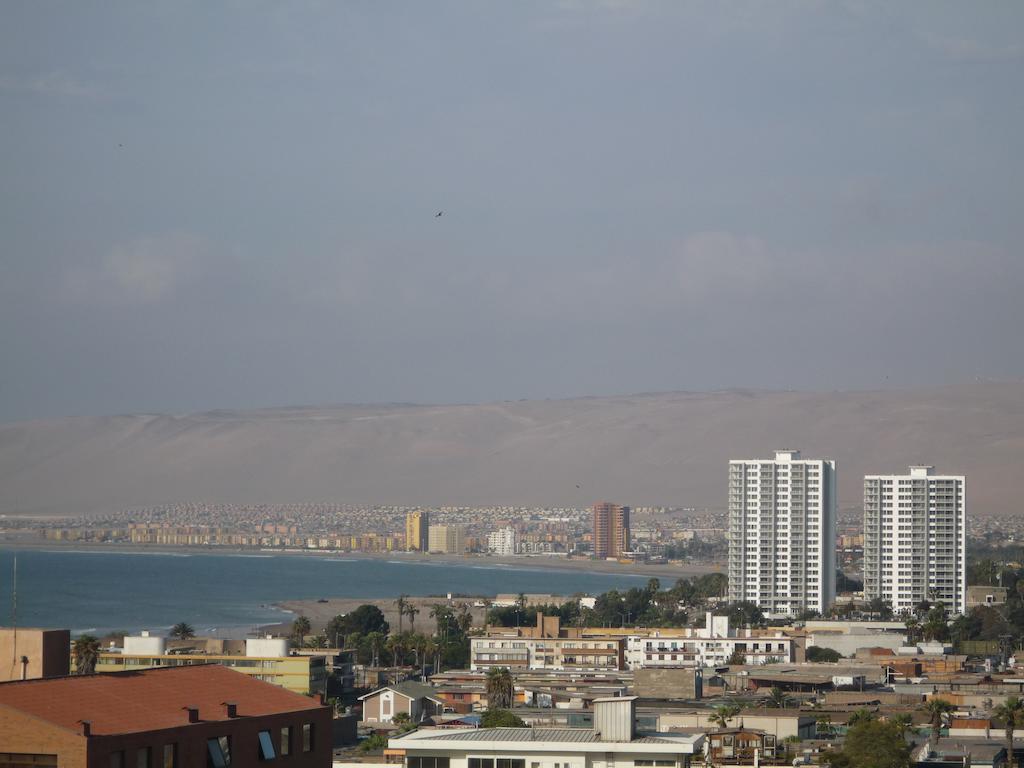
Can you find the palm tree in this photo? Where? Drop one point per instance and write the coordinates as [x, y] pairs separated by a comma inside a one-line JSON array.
[[465, 618], [860, 716], [1011, 712], [401, 603], [824, 725], [86, 652], [300, 628], [499, 688], [902, 722], [396, 645], [430, 651], [777, 698], [723, 714], [411, 612], [375, 639], [937, 709], [913, 625], [182, 631]]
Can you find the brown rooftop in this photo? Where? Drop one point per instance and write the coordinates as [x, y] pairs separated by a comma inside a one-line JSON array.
[[148, 700]]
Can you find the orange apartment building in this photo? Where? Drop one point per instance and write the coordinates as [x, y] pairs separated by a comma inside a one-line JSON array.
[[611, 529]]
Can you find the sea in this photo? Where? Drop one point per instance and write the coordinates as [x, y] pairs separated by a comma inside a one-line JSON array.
[[228, 595]]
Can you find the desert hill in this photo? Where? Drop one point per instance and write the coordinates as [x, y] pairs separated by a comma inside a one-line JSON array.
[[669, 448]]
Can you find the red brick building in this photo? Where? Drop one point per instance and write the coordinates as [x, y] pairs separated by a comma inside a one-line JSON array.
[[180, 717]]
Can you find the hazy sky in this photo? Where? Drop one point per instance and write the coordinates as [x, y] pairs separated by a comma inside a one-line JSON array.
[[232, 204]]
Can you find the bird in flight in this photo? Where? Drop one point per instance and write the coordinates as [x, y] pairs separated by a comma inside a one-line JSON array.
[[439, 214]]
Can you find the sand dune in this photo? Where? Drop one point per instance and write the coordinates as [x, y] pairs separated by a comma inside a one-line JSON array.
[[667, 448]]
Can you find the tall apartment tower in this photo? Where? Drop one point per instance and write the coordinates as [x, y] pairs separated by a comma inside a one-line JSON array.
[[611, 529], [447, 540], [417, 527], [782, 533], [915, 529]]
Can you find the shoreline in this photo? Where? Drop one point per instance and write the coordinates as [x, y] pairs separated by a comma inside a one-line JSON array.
[[512, 563]]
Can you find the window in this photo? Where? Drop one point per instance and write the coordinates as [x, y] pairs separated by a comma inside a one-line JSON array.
[[266, 746], [427, 762], [170, 756], [286, 741], [144, 757], [307, 737], [481, 762], [218, 752], [117, 759], [504, 762]]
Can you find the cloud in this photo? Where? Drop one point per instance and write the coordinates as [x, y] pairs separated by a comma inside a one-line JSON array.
[[54, 84], [143, 271]]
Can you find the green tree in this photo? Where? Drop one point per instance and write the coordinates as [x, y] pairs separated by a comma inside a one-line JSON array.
[[937, 709], [902, 722], [871, 743], [499, 688], [777, 698], [723, 713], [861, 716], [745, 614], [935, 625], [500, 718], [300, 628], [1011, 714], [182, 631], [816, 654], [880, 607], [375, 641], [86, 652], [823, 726], [364, 620], [738, 657]]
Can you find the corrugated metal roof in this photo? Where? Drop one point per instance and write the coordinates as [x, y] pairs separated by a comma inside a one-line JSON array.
[[564, 735], [576, 735]]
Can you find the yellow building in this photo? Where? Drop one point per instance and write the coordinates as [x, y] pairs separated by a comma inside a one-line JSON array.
[[417, 527], [299, 674]]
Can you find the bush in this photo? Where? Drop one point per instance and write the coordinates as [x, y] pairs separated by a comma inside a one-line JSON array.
[[374, 743], [814, 653], [501, 718]]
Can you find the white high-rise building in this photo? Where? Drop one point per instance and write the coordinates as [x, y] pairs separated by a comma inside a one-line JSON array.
[[504, 541], [782, 533], [915, 529]]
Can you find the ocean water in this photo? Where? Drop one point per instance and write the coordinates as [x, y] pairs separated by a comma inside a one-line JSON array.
[[228, 594]]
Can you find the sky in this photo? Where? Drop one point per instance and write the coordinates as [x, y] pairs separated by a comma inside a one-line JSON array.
[[233, 204]]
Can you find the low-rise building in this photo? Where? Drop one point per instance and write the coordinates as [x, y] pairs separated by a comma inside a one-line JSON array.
[[266, 659], [613, 740], [160, 717], [417, 700], [983, 596], [746, 746], [712, 645], [546, 646]]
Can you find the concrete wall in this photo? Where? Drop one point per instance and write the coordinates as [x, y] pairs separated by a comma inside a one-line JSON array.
[[849, 643], [675, 683], [23, 734], [48, 652]]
